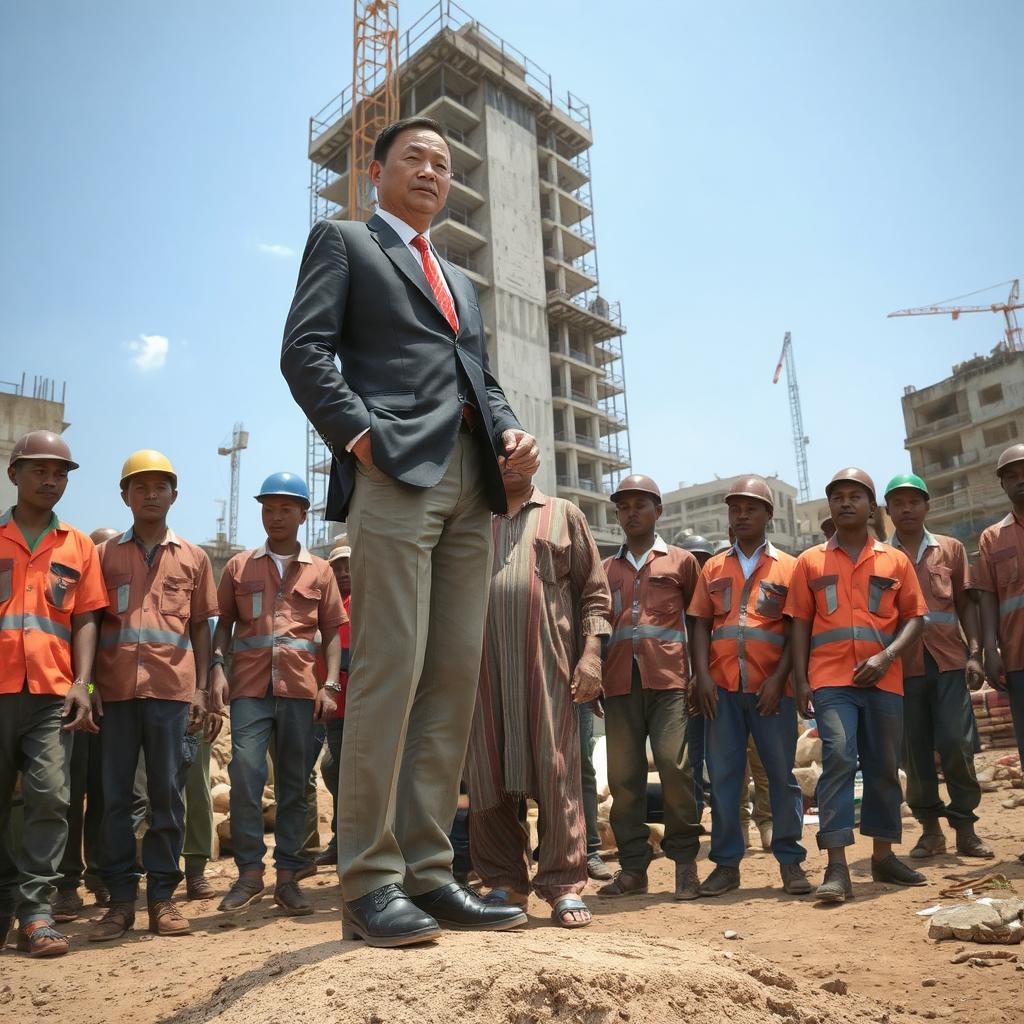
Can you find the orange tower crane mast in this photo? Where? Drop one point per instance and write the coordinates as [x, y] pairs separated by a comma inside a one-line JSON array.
[[1014, 342], [374, 93]]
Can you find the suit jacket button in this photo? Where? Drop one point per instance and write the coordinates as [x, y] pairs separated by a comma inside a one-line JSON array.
[[462, 398]]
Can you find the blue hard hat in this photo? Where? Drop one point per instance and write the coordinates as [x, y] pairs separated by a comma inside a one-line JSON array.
[[284, 485]]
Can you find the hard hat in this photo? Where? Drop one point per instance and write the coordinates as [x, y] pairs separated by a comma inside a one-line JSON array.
[[752, 487], [42, 444], [852, 475], [638, 482], [695, 542], [102, 533], [285, 485], [339, 552], [148, 461], [906, 480], [1015, 453], [723, 545]]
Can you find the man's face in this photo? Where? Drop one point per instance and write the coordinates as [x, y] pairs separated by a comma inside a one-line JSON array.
[[340, 569], [851, 506], [40, 482], [637, 513], [748, 518], [907, 508], [1012, 481], [515, 482], [282, 518], [828, 528], [149, 496], [413, 181]]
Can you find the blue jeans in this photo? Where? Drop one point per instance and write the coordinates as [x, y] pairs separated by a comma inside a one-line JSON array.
[[864, 725], [330, 770], [1015, 686], [85, 814], [156, 728], [255, 723], [695, 741], [588, 779], [736, 718]]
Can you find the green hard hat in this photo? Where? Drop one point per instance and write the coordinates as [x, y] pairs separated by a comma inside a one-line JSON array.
[[906, 480]]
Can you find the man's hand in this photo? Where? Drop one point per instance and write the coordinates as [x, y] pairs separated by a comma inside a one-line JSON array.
[[994, 668], [705, 696], [212, 725], [586, 679], [521, 451], [362, 450], [324, 705], [218, 702], [78, 709], [975, 672], [802, 695], [770, 695], [868, 672], [196, 712]]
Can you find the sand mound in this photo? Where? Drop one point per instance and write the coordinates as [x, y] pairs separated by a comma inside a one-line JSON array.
[[511, 979]]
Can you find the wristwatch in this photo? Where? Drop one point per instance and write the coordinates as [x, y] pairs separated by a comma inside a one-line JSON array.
[[333, 686]]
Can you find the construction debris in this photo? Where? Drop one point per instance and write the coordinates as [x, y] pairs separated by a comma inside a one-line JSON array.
[[996, 921]]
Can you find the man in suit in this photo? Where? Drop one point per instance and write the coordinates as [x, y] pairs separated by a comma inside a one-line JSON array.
[[417, 426]]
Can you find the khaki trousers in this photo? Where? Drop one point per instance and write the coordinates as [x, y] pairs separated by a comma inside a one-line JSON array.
[[420, 569]]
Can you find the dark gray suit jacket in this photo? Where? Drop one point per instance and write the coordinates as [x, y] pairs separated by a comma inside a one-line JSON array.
[[363, 297]]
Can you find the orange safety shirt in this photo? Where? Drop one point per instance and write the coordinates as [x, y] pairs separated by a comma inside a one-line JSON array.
[[278, 623], [941, 567], [855, 609], [145, 642], [999, 570], [40, 590], [748, 631], [648, 619]]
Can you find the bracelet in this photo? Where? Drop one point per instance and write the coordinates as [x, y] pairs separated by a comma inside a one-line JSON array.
[[217, 660], [90, 689]]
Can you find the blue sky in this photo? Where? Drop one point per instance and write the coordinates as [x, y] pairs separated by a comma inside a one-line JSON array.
[[758, 168]]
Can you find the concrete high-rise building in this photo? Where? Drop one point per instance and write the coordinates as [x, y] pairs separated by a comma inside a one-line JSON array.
[[26, 406], [519, 222], [955, 432]]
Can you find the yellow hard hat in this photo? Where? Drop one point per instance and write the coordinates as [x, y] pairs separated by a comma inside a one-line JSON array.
[[148, 461]]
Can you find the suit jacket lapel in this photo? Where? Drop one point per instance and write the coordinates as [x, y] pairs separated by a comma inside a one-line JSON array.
[[398, 252]]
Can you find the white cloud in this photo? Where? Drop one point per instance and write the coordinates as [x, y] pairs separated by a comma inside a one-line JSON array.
[[275, 250], [150, 352]]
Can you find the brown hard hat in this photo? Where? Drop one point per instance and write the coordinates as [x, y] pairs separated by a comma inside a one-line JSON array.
[[42, 444], [102, 533], [638, 482], [852, 475], [751, 487], [1015, 453]]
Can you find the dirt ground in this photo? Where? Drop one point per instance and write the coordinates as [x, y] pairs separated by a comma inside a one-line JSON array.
[[643, 959]]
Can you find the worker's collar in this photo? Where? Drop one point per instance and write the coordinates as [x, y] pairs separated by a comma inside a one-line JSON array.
[[832, 544], [1010, 519], [303, 555], [406, 232], [53, 524], [537, 498], [170, 537], [927, 541], [659, 547], [767, 547]]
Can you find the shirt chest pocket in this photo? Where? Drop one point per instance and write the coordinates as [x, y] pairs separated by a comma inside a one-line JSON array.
[[771, 599], [720, 591], [940, 579], [61, 584], [6, 574], [882, 594], [119, 591], [305, 601], [1004, 562], [176, 596], [826, 594], [664, 596], [553, 561], [249, 598]]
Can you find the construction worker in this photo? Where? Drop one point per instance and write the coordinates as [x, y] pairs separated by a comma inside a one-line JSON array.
[[698, 546], [283, 605], [645, 680], [741, 661], [856, 607], [50, 588], [937, 671], [151, 675], [998, 580]]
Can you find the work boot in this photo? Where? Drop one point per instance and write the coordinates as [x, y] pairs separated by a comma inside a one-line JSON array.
[[246, 891], [198, 887], [306, 871], [932, 840], [967, 844], [687, 882], [794, 881], [66, 904], [166, 919], [291, 899], [891, 869], [597, 869], [328, 858], [625, 883], [118, 919], [722, 880], [837, 887], [101, 896], [41, 939]]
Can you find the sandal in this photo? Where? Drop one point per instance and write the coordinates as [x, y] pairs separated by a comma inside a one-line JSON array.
[[569, 905], [40, 938], [505, 898]]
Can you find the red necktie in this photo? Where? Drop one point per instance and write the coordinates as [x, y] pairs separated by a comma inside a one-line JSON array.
[[433, 272]]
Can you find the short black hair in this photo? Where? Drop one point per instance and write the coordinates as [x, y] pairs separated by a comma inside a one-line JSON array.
[[387, 137]]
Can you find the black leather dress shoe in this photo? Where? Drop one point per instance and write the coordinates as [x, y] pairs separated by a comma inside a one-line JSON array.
[[456, 907], [387, 917]]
